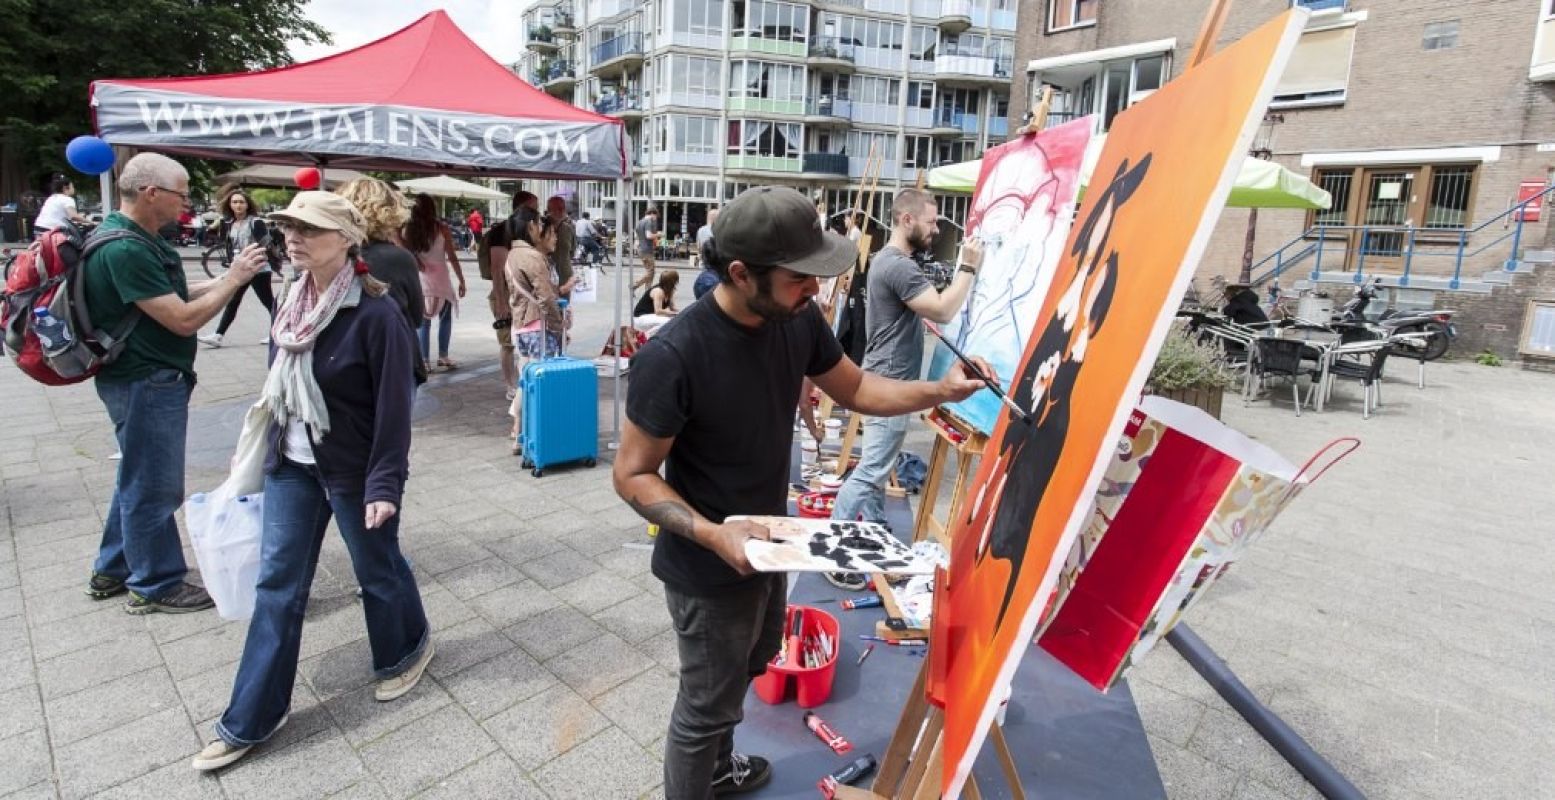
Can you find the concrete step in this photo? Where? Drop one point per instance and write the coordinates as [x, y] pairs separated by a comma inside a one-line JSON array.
[[1539, 256]]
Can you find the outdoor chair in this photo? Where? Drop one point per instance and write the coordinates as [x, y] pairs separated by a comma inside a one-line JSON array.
[[1369, 376], [1283, 358]]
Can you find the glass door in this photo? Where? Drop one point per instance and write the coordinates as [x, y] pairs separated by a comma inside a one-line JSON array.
[[1388, 194]]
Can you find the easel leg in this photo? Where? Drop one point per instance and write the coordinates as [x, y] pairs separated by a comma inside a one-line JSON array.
[[893, 765], [1001, 746], [931, 484]]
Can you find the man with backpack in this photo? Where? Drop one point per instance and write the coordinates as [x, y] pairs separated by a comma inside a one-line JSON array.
[[491, 255], [146, 388]]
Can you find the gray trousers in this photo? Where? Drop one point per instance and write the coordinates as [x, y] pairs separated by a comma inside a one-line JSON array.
[[724, 641]]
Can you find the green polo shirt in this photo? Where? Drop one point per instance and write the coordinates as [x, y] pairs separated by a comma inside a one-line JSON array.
[[123, 272]]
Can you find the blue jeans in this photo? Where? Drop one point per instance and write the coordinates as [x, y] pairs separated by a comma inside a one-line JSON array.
[[445, 333], [297, 512], [140, 539], [864, 492]]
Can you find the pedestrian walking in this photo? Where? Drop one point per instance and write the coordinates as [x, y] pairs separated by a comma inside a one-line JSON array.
[[340, 387], [240, 227], [430, 240], [647, 243], [384, 214]]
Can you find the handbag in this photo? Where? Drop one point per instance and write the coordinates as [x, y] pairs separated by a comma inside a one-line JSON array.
[[248, 462]]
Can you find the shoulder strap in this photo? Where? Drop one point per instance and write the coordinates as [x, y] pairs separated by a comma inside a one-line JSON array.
[[100, 342]]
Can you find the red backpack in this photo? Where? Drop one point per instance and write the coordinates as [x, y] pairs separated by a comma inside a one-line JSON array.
[[47, 275]]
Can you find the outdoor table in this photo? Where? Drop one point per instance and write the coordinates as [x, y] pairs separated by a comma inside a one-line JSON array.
[[1333, 353]]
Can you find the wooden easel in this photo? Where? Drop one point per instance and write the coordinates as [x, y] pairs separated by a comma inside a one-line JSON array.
[[914, 762], [951, 435]]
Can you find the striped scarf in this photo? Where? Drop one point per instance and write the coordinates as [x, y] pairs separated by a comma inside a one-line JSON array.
[[290, 389]]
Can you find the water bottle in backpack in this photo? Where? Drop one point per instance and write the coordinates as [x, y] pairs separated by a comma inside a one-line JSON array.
[[51, 331]]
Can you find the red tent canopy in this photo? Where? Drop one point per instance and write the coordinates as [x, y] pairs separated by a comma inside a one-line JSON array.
[[422, 99]]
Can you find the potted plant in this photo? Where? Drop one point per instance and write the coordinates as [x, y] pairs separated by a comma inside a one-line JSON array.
[[1189, 372]]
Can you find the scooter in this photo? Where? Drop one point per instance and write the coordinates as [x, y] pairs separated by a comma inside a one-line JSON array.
[[1437, 323], [1355, 310]]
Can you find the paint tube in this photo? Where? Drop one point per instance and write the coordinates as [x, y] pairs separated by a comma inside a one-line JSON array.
[[846, 775], [868, 601], [824, 732]]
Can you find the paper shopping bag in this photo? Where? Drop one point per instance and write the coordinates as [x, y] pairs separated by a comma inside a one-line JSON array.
[[1182, 499]]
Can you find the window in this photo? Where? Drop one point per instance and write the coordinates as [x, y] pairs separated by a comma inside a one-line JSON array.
[[1065, 14], [695, 134], [1337, 183], [1539, 330], [919, 152], [753, 137], [762, 19], [880, 91], [874, 33], [1431, 198], [1448, 202], [766, 80], [1320, 5], [860, 144], [1440, 35], [700, 17], [924, 40], [920, 94], [1319, 70]]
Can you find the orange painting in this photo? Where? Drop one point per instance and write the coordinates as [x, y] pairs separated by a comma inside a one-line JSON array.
[[1157, 191]]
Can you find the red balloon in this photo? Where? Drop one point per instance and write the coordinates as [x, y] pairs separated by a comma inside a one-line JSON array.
[[307, 178]]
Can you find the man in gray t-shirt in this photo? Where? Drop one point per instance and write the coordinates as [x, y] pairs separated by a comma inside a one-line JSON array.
[[899, 297], [647, 240]]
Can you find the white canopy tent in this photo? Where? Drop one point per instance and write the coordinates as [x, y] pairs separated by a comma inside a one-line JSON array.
[[451, 188]]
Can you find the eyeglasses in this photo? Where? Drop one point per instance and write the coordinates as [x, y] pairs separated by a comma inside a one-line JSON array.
[[184, 196], [302, 229]]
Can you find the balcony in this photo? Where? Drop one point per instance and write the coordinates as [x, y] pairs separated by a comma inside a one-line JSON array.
[[828, 52], [542, 40], [788, 165], [955, 16], [998, 129], [605, 9], [557, 78], [766, 105], [951, 122], [826, 166], [564, 24], [628, 107], [765, 46], [828, 111], [971, 67], [618, 55]]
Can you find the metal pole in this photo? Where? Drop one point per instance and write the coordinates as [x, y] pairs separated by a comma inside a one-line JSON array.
[[615, 333], [105, 185], [1409, 257], [1457, 270], [1517, 239]]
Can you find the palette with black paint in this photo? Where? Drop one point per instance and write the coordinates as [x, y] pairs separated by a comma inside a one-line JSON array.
[[828, 545]]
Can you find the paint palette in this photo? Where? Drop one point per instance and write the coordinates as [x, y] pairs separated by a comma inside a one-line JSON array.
[[829, 545], [816, 505]]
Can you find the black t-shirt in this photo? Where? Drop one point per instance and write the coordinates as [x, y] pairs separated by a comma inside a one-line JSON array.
[[500, 235], [727, 395], [397, 267]]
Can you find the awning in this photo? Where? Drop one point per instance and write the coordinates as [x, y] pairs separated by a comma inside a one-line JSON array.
[[444, 186], [1259, 184], [274, 175]]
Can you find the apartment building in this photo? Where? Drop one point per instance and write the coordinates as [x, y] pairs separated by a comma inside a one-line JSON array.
[[721, 95], [1427, 122]]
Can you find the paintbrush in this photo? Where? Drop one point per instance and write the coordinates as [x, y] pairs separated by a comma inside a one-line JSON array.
[[992, 384]]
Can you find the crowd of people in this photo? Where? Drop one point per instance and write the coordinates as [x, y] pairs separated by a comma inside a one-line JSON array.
[[369, 272]]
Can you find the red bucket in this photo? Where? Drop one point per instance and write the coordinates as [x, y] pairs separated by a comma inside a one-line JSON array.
[[812, 684]]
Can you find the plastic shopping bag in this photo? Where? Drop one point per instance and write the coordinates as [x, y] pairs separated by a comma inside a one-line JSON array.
[[225, 529], [1182, 499]]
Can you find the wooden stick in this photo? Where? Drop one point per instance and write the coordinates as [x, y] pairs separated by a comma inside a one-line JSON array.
[[1214, 21], [1039, 114]]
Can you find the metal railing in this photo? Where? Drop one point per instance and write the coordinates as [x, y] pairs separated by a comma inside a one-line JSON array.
[[826, 163], [555, 71], [615, 103], [966, 121], [542, 34], [1405, 242], [830, 47], [625, 44], [829, 107], [564, 19]]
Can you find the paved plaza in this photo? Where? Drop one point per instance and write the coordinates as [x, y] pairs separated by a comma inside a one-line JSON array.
[[1399, 615]]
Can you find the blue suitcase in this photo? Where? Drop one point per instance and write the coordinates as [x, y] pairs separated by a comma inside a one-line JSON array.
[[561, 413]]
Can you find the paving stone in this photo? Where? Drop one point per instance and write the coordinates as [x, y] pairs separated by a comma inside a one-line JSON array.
[[498, 683], [206, 650], [641, 706], [43, 790], [344, 669], [597, 666], [524, 548], [636, 620], [79, 549], [121, 701], [511, 604], [366, 790], [421, 754], [172, 627], [314, 767], [1166, 715], [102, 624], [479, 578], [597, 592], [628, 562], [20, 711], [494, 777], [126, 751], [443, 609], [364, 719], [97, 665], [545, 726], [1186, 774], [467, 643], [52, 578], [176, 781], [561, 567], [554, 632], [577, 773], [26, 761], [664, 649], [447, 554]]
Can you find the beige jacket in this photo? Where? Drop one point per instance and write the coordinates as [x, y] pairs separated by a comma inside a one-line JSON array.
[[530, 271]]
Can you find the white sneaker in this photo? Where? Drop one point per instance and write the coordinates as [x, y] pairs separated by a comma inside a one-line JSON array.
[[219, 754], [400, 684], [265, 341], [210, 339]]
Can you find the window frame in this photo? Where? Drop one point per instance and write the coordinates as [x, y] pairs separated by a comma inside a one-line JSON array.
[[1528, 318], [1074, 8], [1425, 175]]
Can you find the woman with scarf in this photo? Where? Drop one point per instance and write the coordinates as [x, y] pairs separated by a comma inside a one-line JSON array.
[[340, 391]]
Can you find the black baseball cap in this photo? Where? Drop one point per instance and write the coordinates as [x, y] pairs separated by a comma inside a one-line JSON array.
[[778, 226]]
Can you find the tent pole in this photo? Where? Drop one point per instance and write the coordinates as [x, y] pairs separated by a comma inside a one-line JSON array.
[[615, 391], [105, 185]]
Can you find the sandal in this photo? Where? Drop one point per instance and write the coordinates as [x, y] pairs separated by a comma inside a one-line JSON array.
[[447, 363]]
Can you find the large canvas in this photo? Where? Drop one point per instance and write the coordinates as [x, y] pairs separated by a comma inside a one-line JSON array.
[[1021, 210], [1158, 189]]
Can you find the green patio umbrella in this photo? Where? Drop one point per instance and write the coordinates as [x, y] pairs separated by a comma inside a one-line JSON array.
[[1259, 184]]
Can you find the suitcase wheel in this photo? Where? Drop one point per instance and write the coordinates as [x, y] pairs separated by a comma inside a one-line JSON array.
[[589, 463], [536, 472]]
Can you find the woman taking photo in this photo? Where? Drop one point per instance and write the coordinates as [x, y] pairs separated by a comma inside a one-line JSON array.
[[429, 239], [239, 229], [340, 390], [538, 322]]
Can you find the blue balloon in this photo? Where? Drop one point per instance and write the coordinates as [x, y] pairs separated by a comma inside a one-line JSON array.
[[89, 154]]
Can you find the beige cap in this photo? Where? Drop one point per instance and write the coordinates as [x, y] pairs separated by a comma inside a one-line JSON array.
[[325, 210]]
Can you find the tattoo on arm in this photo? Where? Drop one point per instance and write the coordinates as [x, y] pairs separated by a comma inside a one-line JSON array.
[[669, 515]]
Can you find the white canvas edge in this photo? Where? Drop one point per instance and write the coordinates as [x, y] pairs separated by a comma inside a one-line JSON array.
[[1196, 247]]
